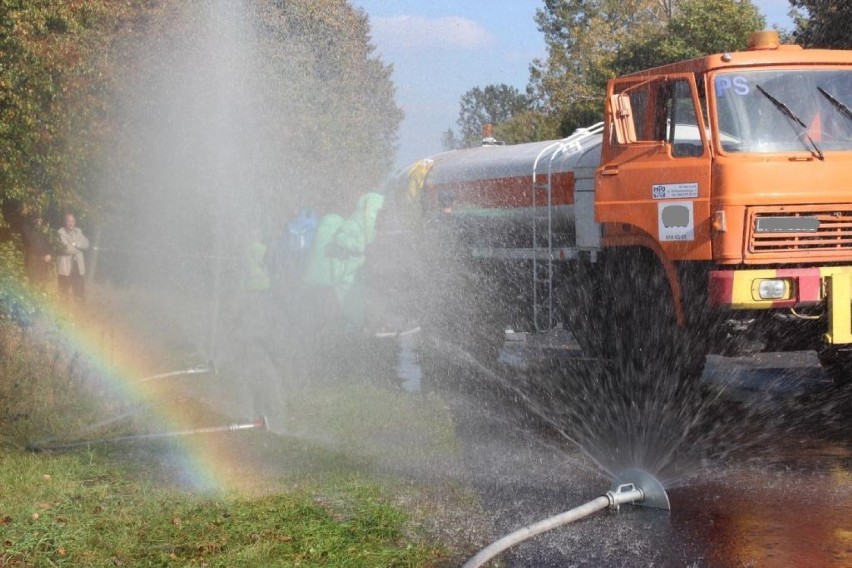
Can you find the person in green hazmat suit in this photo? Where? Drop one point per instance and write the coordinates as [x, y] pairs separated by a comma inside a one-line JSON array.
[[256, 276], [255, 281], [338, 254], [320, 270]]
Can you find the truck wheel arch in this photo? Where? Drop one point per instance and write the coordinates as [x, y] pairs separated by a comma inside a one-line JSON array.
[[642, 240]]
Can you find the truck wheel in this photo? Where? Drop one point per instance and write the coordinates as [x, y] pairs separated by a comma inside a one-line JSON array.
[[837, 364], [626, 317]]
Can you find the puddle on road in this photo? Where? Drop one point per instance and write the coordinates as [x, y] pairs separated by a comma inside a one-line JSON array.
[[771, 518], [790, 506]]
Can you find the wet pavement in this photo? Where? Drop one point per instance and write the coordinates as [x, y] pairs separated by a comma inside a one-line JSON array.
[[772, 488]]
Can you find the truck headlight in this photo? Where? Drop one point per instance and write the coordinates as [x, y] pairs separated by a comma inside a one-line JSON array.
[[773, 289]]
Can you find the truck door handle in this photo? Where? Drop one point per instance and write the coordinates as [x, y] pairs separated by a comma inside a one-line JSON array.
[[609, 171]]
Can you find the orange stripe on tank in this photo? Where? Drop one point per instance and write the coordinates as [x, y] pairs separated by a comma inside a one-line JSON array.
[[505, 193]]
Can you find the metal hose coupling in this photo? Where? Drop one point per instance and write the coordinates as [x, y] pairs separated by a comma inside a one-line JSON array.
[[624, 493], [258, 424], [634, 481]]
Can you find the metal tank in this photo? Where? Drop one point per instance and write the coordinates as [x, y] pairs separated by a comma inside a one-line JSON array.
[[525, 198], [515, 211]]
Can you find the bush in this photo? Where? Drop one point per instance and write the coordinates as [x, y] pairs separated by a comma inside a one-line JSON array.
[[15, 303], [43, 389]]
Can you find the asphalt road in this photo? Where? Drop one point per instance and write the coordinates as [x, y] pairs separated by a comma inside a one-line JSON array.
[[758, 472]]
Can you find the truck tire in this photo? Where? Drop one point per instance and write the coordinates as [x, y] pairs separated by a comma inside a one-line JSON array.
[[837, 364], [623, 314]]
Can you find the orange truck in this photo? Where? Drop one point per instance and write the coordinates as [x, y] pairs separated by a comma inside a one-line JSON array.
[[710, 211]]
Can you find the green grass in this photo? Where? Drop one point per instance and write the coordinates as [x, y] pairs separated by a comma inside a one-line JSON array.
[[355, 476], [327, 492], [84, 510]]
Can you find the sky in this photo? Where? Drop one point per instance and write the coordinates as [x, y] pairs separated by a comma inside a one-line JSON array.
[[440, 49]]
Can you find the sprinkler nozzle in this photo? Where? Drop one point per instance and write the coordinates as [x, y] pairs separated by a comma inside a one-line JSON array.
[[258, 424], [625, 493], [650, 489]]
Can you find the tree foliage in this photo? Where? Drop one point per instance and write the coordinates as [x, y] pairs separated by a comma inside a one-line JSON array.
[[696, 28], [591, 41], [233, 114], [449, 140], [526, 126], [67, 64], [583, 38], [57, 59], [492, 104], [343, 108], [826, 24]]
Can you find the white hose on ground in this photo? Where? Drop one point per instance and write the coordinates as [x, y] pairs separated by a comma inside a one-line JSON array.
[[630, 495]]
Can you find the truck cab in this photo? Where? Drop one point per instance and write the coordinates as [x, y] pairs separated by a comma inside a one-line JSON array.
[[737, 166]]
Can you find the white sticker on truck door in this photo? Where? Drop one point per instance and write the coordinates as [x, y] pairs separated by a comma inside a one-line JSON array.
[[675, 221], [674, 190]]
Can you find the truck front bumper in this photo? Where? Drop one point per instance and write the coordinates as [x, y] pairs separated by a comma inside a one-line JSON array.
[[789, 288]]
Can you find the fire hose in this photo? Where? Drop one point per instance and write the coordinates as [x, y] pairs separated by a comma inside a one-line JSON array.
[[204, 369], [643, 490], [258, 424]]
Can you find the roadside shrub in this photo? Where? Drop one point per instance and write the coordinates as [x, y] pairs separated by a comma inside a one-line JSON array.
[[42, 388], [15, 305]]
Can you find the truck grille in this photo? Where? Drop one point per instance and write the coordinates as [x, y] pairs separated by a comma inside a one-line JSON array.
[[832, 238]]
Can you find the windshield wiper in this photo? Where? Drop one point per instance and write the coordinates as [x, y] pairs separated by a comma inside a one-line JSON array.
[[786, 111], [838, 104]]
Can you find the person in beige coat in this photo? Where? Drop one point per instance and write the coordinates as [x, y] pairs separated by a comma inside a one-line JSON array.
[[70, 264]]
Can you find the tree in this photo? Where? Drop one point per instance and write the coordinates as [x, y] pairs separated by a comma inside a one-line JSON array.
[[343, 106], [697, 28], [526, 126], [583, 38], [141, 114], [68, 67], [232, 118], [58, 60], [591, 41], [826, 24], [493, 104], [449, 140]]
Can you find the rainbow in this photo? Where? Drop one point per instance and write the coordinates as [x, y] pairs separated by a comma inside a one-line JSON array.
[[120, 368]]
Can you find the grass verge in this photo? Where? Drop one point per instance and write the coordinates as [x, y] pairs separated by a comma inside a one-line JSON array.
[[330, 491], [84, 510]]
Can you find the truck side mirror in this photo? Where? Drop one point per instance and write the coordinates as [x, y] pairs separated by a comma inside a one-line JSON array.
[[622, 118]]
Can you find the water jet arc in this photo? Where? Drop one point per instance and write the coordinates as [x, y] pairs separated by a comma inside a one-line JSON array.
[[641, 489]]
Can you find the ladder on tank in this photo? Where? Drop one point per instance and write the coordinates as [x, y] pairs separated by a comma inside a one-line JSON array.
[[544, 318]]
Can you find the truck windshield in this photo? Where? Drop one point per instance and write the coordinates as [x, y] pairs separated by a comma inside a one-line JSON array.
[[785, 111]]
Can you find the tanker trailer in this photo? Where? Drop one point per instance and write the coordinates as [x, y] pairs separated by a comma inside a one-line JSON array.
[[500, 233]]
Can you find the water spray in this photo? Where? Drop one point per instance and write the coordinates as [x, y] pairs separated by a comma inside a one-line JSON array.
[[634, 486], [257, 424]]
